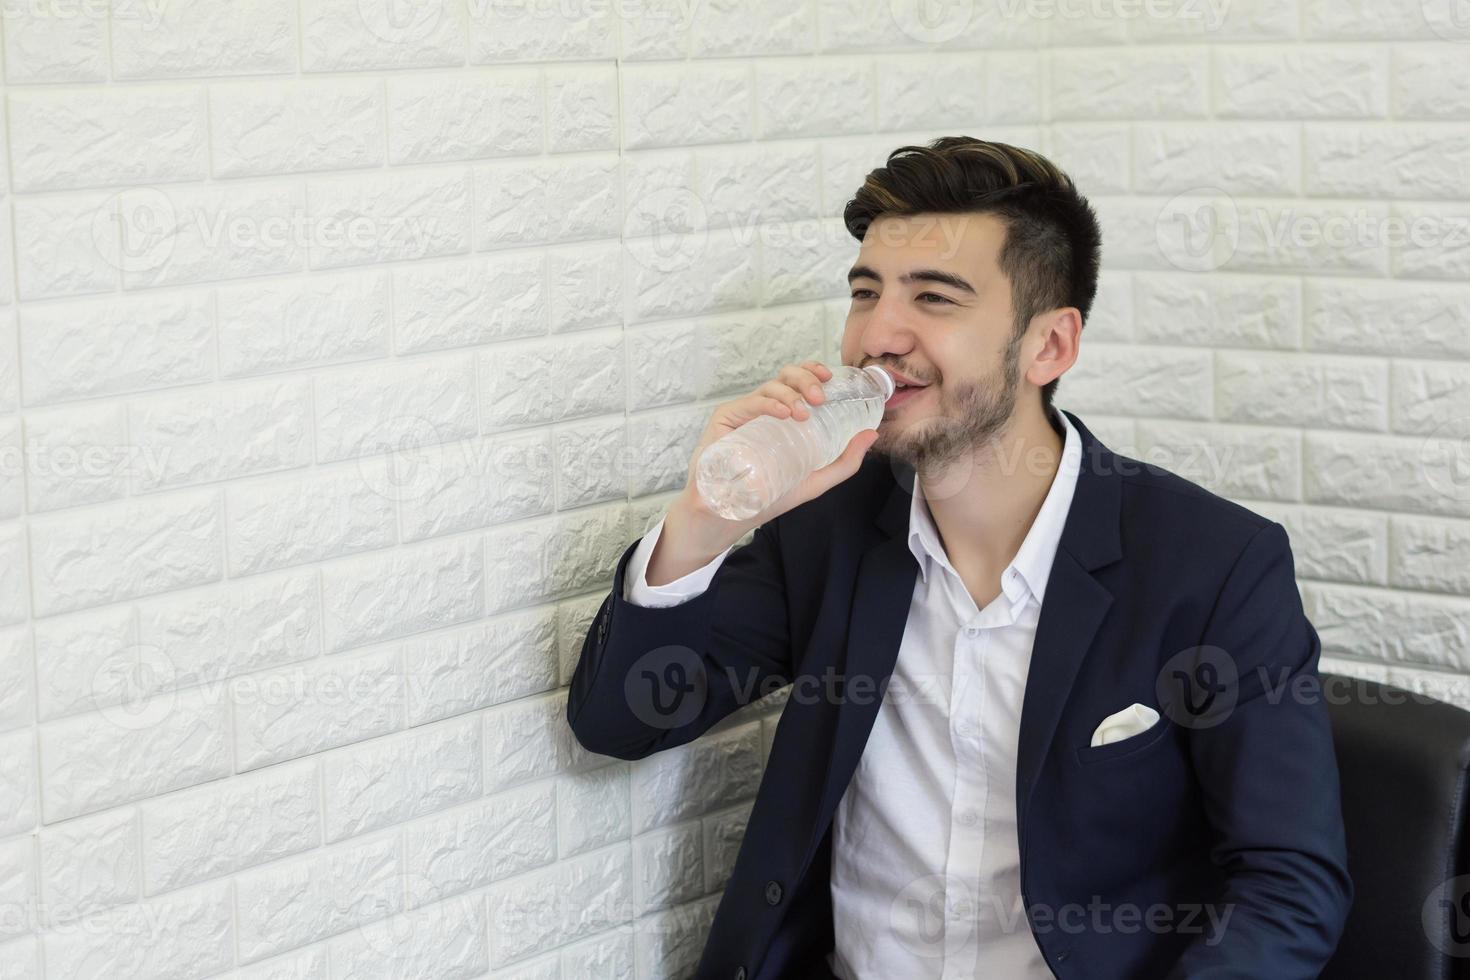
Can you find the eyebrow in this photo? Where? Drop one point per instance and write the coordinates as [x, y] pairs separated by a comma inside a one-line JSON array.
[[918, 275]]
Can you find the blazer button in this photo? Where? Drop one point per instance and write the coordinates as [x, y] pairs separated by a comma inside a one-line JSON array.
[[773, 893]]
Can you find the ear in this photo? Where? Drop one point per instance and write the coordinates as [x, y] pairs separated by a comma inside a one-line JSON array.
[[1057, 337]]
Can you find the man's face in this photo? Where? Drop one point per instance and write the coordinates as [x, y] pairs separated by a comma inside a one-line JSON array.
[[957, 341]]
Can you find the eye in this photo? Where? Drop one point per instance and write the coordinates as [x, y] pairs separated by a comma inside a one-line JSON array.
[[856, 292], [942, 299]]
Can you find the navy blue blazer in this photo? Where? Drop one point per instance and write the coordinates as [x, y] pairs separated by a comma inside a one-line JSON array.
[[1161, 593]]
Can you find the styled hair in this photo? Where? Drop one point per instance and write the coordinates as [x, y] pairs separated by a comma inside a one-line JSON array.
[[1053, 244]]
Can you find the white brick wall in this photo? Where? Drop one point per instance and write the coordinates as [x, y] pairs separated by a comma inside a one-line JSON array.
[[344, 347]]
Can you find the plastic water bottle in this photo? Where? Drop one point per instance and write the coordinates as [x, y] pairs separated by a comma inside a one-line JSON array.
[[747, 470]]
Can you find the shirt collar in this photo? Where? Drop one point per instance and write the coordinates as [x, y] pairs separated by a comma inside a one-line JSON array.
[[1031, 567]]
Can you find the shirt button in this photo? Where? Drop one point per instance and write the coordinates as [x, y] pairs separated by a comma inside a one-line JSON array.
[[968, 817], [972, 630], [773, 893]]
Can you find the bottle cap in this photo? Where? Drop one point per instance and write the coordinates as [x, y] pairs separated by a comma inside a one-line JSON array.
[[884, 378]]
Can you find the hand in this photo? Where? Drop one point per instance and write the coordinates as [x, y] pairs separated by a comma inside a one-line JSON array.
[[795, 387]]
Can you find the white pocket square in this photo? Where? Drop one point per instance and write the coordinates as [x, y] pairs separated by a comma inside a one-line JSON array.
[[1124, 724]]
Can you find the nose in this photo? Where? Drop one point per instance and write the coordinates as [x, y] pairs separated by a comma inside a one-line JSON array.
[[886, 332]]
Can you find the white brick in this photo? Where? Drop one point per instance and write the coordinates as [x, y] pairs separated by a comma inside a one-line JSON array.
[[1390, 161], [323, 514], [443, 941], [17, 686], [713, 772], [1233, 461], [18, 887], [464, 669], [63, 245], [723, 834], [592, 809], [1150, 84], [1217, 309], [222, 631], [1426, 395], [61, 140], [1125, 379], [203, 37], [1435, 241], [125, 550], [80, 657], [741, 187], [80, 455], [301, 901], [470, 846], [1097, 156], [699, 273], [465, 116], [216, 830], [528, 739], [89, 865], [671, 943], [468, 302], [406, 590], [1334, 545], [19, 809], [942, 90], [1244, 158], [42, 45], [1427, 83], [341, 35], [668, 867], [222, 433], [261, 127], [1364, 19], [275, 325], [1430, 554], [754, 28], [1381, 626], [1231, 20], [609, 955], [683, 105], [394, 407], [586, 286], [536, 560], [1302, 390], [1408, 473], [500, 32], [16, 586], [535, 201], [185, 935], [552, 381], [390, 780], [289, 712], [1387, 318], [1301, 83], [132, 751], [532, 913], [214, 231], [662, 446], [388, 217], [801, 98], [582, 108], [1277, 236], [100, 347]]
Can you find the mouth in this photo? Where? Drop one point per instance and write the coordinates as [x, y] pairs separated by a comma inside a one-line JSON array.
[[904, 394]]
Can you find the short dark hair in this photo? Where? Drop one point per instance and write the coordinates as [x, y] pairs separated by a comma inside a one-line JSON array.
[[1053, 244]]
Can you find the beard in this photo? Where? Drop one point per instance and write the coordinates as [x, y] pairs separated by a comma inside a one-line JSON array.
[[972, 417]]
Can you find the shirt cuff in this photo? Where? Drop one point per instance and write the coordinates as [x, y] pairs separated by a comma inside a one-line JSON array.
[[635, 578]]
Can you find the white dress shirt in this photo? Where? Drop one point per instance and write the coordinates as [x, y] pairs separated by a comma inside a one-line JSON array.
[[925, 860]]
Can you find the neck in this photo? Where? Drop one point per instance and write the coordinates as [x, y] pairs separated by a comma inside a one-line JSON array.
[[985, 503]]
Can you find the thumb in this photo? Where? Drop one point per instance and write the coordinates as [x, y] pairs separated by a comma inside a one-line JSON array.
[[849, 462]]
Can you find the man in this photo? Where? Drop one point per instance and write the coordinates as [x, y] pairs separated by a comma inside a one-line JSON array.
[[1036, 723]]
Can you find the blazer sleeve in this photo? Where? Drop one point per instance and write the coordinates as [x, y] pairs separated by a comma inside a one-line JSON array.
[[1269, 779], [651, 678]]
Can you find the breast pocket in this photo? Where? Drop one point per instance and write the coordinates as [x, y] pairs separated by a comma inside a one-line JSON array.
[[1143, 744]]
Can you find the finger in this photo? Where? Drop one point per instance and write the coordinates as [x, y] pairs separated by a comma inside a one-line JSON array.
[[805, 380]]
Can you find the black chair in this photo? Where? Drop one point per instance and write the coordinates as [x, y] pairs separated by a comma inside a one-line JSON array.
[[1403, 758]]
